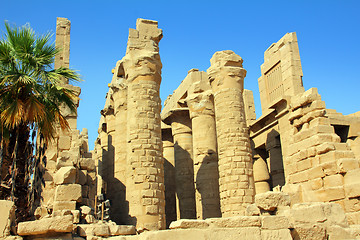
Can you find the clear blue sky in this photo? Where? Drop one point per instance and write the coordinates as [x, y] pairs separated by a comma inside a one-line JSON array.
[[328, 33]]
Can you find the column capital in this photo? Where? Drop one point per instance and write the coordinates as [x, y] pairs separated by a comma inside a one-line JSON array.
[[200, 104], [226, 71]]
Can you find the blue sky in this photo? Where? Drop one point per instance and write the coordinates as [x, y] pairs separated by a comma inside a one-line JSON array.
[[328, 33]]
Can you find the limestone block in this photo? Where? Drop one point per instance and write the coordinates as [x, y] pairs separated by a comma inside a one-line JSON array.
[[95, 229], [70, 192], [66, 159], [82, 177], [188, 223], [64, 205], [64, 143], [62, 224], [352, 190], [248, 233], [347, 164], [252, 210], [41, 212], [316, 213], [353, 218], [352, 176], [7, 217], [116, 230], [65, 175], [309, 233], [89, 219], [269, 201], [283, 234], [87, 164], [234, 222], [337, 232], [85, 210], [275, 222]]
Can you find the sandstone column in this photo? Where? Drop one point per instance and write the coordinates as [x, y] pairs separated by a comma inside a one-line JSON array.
[[206, 175], [169, 174], [184, 170], [236, 182], [145, 170]]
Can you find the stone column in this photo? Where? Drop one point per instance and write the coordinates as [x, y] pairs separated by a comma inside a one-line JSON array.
[[206, 175], [169, 174], [184, 170], [275, 161], [236, 183], [145, 188], [261, 175]]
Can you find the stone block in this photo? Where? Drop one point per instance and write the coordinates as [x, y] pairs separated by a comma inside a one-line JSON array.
[[95, 229], [7, 217], [275, 222], [353, 218], [41, 212], [64, 143], [82, 177], [188, 223], [65, 175], [283, 234], [252, 210], [269, 201], [116, 230], [352, 190], [347, 164], [352, 176], [70, 192], [333, 181], [337, 232], [315, 213], [87, 164], [62, 224], [64, 205], [235, 222], [309, 233]]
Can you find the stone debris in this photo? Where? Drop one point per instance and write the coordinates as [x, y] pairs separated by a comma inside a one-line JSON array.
[[61, 224], [269, 201]]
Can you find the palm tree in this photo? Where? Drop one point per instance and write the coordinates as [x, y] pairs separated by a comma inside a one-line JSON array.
[[31, 93]]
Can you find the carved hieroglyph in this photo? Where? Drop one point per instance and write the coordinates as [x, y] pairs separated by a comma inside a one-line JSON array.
[[236, 182]]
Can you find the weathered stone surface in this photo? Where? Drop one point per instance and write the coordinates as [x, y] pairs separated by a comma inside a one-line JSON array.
[[65, 175], [41, 212], [315, 213], [87, 164], [55, 224], [85, 210], [188, 223], [235, 222], [252, 210], [283, 234], [275, 222], [269, 201], [116, 230], [309, 233], [70, 192], [64, 205], [96, 229], [7, 216]]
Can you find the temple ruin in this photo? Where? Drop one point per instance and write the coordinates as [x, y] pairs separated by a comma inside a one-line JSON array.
[[203, 166]]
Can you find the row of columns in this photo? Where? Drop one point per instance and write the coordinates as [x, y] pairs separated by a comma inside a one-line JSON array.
[[212, 156]]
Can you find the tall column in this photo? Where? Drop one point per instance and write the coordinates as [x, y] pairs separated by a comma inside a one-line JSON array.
[[206, 175], [169, 175], [236, 183], [145, 188], [184, 170]]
